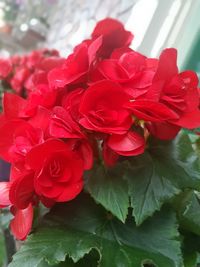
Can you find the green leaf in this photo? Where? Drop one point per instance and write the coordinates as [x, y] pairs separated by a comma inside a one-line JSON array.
[[191, 250], [5, 218], [82, 226], [89, 260], [191, 259], [188, 209], [183, 147], [2, 249], [180, 159], [159, 174], [149, 187], [108, 188]]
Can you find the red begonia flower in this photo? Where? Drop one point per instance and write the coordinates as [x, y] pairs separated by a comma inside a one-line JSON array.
[[129, 144], [178, 92], [86, 152], [131, 70], [84, 149], [42, 96], [102, 108], [71, 102], [77, 65], [14, 106], [19, 78], [62, 125], [17, 138], [164, 131], [22, 222], [41, 120], [58, 170], [22, 191], [5, 67], [152, 111], [114, 36]]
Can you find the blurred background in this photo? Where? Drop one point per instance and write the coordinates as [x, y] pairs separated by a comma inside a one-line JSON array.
[[61, 24]]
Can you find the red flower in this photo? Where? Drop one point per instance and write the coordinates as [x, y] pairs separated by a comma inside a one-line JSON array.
[[22, 222], [22, 73], [71, 102], [42, 96], [102, 108], [13, 106], [177, 92], [124, 68], [41, 120], [152, 111], [40, 72], [58, 170], [85, 150], [19, 78], [182, 96], [129, 144], [22, 191], [164, 131], [17, 138], [77, 65], [5, 68], [130, 69], [62, 125], [114, 36]]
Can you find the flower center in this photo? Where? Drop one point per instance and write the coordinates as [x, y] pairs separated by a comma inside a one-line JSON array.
[[55, 168]]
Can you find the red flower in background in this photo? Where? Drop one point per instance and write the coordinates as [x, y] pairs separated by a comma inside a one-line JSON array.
[[13, 106], [19, 71], [5, 68]]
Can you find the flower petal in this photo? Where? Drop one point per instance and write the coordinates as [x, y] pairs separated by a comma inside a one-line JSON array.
[[22, 223], [4, 194]]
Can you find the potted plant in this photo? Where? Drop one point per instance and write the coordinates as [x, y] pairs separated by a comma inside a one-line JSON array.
[[102, 173]]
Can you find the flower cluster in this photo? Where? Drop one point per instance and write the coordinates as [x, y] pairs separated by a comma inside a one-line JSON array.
[[22, 72], [102, 101]]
